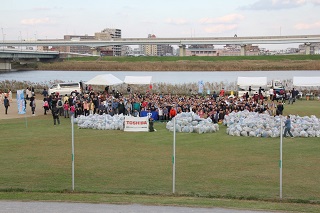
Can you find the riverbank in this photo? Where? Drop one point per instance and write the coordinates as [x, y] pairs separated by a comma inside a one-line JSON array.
[[181, 66], [226, 63]]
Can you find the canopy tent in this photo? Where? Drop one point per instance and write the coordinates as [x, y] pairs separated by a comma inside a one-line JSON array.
[[106, 79], [138, 79], [306, 81]]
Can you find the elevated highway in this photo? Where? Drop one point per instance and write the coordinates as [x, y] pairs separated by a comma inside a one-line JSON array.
[[9, 55], [181, 42], [172, 41], [25, 54]]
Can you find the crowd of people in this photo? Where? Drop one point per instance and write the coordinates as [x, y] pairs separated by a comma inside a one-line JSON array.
[[165, 106]]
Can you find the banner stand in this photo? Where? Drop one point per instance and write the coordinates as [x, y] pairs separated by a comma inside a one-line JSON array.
[[72, 149]]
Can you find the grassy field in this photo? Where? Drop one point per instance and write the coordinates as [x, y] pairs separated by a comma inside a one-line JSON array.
[[110, 165]]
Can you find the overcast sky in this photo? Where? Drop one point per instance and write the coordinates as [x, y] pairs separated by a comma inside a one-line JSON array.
[[164, 18]]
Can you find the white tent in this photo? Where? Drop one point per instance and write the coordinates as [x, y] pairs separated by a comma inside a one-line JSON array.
[[106, 79], [306, 81], [138, 79]]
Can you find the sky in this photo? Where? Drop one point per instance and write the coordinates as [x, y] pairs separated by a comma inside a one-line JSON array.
[[52, 19]]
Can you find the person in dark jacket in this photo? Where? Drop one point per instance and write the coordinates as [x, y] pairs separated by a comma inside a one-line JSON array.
[[280, 108], [55, 114], [121, 108], [151, 128], [6, 104]]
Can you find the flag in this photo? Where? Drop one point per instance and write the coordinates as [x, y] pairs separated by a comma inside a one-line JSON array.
[[200, 85], [21, 102]]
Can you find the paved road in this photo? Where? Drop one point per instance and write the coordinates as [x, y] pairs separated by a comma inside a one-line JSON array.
[[57, 207]]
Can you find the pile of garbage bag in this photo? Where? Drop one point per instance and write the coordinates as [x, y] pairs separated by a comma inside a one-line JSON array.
[[255, 124], [190, 122], [101, 122]]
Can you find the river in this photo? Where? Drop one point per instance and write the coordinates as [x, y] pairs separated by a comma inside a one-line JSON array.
[[180, 77]]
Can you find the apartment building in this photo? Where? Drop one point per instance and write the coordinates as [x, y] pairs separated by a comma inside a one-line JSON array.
[[156, 50], [105, 34], [76, 49], [150, 49], [108, 34]]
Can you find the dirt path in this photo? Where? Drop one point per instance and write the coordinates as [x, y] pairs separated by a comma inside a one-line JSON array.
[[13, 110], [52, 207]]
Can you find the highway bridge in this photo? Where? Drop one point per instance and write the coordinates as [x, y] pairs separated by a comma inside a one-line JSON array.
[[9, 55], [172, 41], [181, 42], [27, 54]]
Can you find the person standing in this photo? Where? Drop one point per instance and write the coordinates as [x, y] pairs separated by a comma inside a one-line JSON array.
[[128, 107], [45, 105], [106, 89], [32, 91], [60, 106], [91, 107], [85, 106], [151, 128], [292, 96], [66, 108], [28, 93], [55, 114], [280, 108], [44, 93], [287, 125], [6, 103], [10, 95], [121, 107], [221, 94], [172, 112], [33, 105], [72, 110], [160, 114]]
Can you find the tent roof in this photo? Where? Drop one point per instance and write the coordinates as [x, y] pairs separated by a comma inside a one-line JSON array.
[[106, 79], [306, 81], [252, 81], [138, 79]]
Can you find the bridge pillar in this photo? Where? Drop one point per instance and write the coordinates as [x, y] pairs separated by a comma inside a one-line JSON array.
[[182, 50], [5, 66], [96, 51], [243, 50], [308, 48]]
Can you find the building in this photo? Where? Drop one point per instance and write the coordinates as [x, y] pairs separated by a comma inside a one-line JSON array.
[[201, 50], [76, 49], [314, 48], [156, 49], [108, 34], [150, 49], [166, 50], [235, 50]]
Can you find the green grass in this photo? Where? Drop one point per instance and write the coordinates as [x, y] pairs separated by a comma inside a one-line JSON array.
[[200, 58], [36, 164]]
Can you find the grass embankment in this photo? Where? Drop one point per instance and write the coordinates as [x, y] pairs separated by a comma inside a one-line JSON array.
[[110, 165], [190, 63]]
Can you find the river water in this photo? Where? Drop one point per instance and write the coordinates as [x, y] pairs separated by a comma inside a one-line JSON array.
[[39, 76]]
